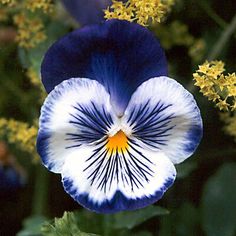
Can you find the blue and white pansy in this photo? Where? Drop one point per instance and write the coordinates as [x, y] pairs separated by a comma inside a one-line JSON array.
[[114, 125]]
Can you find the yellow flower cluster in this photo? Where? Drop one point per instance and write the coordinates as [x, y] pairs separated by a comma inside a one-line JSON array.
[[177, 34], [32, 5], [19, 133], [30, 27], [216, 86], [45, 5], [33, 76], [30, 31], [140, 11]]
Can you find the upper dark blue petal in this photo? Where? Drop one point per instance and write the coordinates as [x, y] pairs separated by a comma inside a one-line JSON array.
[[87, 11], [118, 54]]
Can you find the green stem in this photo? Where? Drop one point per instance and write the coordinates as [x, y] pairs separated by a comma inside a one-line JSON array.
[[40, 191], [210, 12], [106, 225], [225, 36]]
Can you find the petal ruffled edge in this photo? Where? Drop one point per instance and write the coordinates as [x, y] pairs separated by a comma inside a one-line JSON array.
[[121, 196], [118, 54], [164, 116], [75, 113]]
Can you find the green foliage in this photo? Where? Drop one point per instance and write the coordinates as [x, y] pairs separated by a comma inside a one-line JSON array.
[[75, 223], [65, 226], [32, 226], [129, 220], [187, 220], [219, 202], [183, 221]]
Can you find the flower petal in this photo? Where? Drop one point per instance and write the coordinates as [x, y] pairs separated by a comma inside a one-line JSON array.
[[118, 54], [76, 112], [87, 11], [108, 182], [164, 116]]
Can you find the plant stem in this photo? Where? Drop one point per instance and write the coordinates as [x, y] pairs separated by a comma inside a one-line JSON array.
[[225, 36], [205, 6], [106, 224], [40, 191]]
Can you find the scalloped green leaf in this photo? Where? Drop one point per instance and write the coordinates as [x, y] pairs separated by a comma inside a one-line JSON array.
[[131, 219], [219, 202], [32, 226], [67, 225]]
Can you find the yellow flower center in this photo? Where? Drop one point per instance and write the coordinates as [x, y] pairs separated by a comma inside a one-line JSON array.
[[117, 143]]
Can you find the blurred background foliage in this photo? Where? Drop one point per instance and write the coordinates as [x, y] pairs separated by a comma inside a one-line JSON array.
[[203, 199]]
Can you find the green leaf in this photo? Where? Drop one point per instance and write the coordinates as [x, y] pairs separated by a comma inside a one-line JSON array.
[[65, 226], [142, 233], [219, 202], [131, 219], [183, 221], [89, 220], [32, 226], [187, 220]]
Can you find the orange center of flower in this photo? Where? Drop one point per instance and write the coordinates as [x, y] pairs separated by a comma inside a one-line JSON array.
[[117, 143]]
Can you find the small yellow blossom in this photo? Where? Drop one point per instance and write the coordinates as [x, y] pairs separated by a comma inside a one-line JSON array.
[[27, 17], [30, 31], [223, 105], [216, 86], [140, 11], [45, 5], [34, 77], [19, 133]]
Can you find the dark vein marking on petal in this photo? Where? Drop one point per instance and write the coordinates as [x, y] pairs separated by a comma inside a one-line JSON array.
[[128, 167]]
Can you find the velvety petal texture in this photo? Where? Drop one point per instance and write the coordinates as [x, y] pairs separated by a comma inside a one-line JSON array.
[[110, 163], [76, 112], [112, 125], [113, 182], [118, 54], [164, 116], [82, 138], [87, 11]]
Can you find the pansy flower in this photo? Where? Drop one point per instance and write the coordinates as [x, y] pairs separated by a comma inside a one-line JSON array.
[[87, 11], [114, 125]]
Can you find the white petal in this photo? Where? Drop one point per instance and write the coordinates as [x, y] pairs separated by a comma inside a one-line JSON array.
[[164, 116], [110, 182], [75, 113]]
